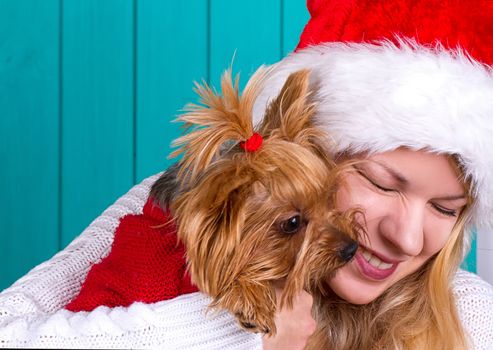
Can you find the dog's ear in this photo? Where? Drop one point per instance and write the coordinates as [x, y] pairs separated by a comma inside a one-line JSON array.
[[291, 112], [166, 188]]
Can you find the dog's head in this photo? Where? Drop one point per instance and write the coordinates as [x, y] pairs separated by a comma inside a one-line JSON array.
[[250, 217]]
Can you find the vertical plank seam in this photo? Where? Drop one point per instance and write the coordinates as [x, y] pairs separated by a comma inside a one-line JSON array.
[[134, 92], [208, 42], [281, 31], [60, 125]]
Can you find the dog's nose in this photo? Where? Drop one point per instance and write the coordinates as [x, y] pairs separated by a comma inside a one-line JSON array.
[[347, 253]]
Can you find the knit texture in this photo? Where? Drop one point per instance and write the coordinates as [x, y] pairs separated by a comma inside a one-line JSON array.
[[475, 305], [180, 323], [452, 23], [32, 310], [146, 264]]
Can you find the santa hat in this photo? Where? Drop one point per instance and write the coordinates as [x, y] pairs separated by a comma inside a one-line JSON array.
[[402, 73]]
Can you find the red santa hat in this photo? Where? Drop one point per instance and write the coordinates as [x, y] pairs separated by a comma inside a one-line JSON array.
[[398, 73]]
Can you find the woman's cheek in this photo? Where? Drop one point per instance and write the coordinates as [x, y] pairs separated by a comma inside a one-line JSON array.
[[372, 204], [435, 238], [352, 194]]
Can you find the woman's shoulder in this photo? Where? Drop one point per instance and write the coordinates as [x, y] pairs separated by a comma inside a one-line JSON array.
[[468, 285], [474, 297]]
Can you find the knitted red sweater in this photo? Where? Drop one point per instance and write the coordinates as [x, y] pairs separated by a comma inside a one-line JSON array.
[[146, 264]]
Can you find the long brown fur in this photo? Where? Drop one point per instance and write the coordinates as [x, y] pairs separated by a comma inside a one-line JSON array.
[[233, 206]]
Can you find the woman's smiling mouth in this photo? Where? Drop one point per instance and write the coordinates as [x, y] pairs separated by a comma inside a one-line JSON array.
[[373, 266]]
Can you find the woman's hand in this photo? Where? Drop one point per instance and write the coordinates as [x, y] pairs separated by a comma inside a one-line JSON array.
[[294, 326]]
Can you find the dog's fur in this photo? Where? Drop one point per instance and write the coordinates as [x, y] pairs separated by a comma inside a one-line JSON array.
[[251, 219]]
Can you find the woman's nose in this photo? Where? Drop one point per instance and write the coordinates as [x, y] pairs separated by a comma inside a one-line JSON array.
[[403, 228]]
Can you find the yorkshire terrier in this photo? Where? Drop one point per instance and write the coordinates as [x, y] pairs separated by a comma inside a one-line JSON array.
[[255, 207]]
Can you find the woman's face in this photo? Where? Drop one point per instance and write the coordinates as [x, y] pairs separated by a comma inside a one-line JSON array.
[[411, 201]]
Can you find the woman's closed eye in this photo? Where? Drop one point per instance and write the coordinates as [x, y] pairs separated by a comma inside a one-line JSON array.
[[444, 211], [373, 182]]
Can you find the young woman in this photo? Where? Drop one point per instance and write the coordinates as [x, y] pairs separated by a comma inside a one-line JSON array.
[[406, 87]]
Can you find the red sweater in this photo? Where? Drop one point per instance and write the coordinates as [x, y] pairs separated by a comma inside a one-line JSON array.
[[146, 264]]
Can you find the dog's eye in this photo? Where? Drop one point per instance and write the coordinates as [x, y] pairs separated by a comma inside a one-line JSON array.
[[291, 225]]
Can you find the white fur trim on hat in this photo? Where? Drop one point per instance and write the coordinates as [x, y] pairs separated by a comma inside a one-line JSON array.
[[378, 97]]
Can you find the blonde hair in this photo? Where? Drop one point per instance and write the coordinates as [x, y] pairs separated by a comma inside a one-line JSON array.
[[418, 312]]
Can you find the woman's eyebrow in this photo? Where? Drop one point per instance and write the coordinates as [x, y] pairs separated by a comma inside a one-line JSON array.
[[453, 197], [398, 176]]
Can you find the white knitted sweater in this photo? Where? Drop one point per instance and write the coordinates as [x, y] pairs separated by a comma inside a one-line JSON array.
[[32, 314]]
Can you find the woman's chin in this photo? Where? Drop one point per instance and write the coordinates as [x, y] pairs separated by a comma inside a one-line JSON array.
[[353, 289]]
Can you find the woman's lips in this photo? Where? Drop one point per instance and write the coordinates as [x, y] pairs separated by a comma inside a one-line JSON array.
[[372, 266]]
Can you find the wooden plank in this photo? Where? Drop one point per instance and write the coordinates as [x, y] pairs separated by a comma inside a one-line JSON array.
[[29, 135], [294, 17], [171, 54], [248, 31], [97, 133]]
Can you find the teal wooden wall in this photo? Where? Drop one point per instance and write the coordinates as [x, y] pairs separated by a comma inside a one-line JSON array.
[[87, 92]]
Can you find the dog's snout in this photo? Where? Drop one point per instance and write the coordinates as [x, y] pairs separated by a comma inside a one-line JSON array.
[[347, 253]]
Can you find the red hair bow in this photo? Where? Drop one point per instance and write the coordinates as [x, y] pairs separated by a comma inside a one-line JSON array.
[[253, 143]]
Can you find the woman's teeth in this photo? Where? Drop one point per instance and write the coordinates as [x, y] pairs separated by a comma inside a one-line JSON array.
[[374, 261]]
